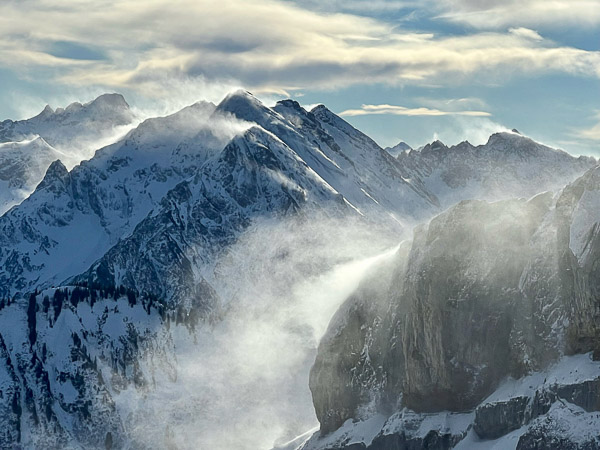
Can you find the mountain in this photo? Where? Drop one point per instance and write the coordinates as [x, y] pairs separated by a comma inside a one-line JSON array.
[[99, 201], [22, 166], [108, 196], [67, 127], [399, 148], [255, 175], [114, 273], [484, 294], [508, 165], [66, 353], [71, 134], [348, 160]]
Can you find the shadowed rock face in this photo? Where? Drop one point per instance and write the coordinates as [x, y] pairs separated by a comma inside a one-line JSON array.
[[484, 292], [579, 235]]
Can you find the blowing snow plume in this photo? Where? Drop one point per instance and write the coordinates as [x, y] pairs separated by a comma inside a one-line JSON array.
[[243, 382]]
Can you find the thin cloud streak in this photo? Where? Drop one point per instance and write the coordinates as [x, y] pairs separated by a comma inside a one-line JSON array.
[[528, 13], [526, 33], [591, 133], [404, 111]]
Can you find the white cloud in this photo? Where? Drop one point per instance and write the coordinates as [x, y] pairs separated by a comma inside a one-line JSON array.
[[403, 111], [494, 14], [476, 130], [591, 133], [526, 33], [268, 46], [452, 104]]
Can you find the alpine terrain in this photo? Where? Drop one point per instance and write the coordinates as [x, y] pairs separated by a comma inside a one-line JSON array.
[[238, 275]]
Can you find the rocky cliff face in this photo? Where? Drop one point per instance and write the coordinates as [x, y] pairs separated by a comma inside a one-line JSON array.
[[556, 408], [578, 221], [486, 291]]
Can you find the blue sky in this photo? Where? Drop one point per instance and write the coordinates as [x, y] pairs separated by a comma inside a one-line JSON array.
[[396, 69]]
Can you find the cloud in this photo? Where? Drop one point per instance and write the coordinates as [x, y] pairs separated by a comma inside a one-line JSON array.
[[403, 111], [359, 6], [495, 14], [452, 104], [156, 49], [526, 33], [591, 133], [476, 130], [73, 50]]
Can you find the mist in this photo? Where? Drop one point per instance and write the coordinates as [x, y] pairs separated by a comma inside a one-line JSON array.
[[83, 147], [475, 130], [243, 382]]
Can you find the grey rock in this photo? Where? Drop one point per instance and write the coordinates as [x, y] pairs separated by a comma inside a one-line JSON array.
[[493, 420]]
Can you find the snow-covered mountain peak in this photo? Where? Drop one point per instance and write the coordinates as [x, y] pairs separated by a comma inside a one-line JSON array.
[[508, 165], [55, 177], [340, 129], [45, 113], [438, 145], [509, 142], [399, 148], [324, 114], [245, 106], [433, 149], [113, 101], [291, 104], [155, 139], [187, 118], [110, 108], [320, 109], [22, 166], [239, 101], [201, 106], [506, 136]]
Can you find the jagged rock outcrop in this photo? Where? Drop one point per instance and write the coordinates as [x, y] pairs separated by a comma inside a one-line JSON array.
[[554, 408], [398, 149]]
